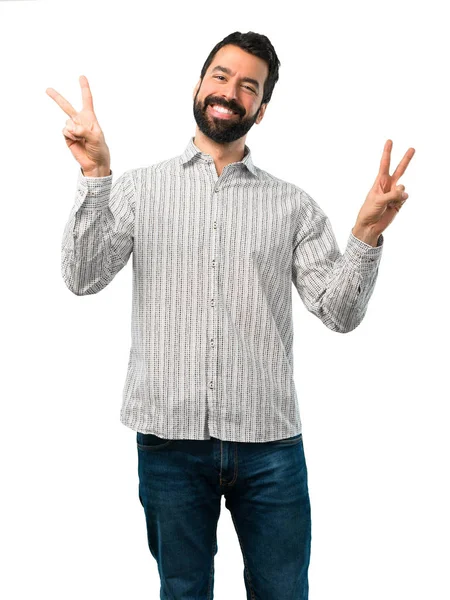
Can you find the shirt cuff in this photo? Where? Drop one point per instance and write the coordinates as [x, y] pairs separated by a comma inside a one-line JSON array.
[[363, 256], [95, 191]]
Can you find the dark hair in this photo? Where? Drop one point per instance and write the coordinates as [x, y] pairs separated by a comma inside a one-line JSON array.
[[256, 44]]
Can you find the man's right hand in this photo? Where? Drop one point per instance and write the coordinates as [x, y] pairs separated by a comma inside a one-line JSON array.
[[83, 134]]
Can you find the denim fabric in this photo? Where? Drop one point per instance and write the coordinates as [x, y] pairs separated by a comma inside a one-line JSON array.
[[181, 483]]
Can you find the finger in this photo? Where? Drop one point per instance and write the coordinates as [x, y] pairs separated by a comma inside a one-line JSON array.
[[386, 159], [71, 126], [68, 134], [396, 195], [403, 165], [397, 205], [86, 93], [61, 102]]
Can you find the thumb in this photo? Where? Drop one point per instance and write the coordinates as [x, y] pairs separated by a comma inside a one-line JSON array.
[[395, 194], [72, 126], [80, 130]]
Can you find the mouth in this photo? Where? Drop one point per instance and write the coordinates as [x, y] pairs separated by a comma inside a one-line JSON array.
[[217, 111]]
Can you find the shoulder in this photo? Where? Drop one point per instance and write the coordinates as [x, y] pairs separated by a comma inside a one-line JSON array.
[[142, 174], [288, 187]]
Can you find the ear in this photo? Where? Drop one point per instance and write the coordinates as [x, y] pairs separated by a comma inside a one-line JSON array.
[[261, 112], [196, 88]]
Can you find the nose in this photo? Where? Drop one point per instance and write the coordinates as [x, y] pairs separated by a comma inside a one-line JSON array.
[[231, 98], [229, 91], [230, 94]]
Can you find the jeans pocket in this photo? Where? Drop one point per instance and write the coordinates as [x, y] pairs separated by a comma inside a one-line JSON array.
[[150, 441], [290, 441]]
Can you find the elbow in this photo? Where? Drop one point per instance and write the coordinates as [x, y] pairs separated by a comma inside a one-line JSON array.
[[81, 282], [84, 291], [73, 288], [343, 326], [78, 289]]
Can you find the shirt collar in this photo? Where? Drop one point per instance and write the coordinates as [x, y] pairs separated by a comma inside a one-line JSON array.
[[192, 151]]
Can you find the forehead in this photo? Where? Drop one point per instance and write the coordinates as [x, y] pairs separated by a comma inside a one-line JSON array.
[[241, 63]]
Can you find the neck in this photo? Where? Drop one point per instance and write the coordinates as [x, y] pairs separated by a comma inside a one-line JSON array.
[[222, 154]]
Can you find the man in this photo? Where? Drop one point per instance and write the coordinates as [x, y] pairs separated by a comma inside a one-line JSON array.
[[217, 243]]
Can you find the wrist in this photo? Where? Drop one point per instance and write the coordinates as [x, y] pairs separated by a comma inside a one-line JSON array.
[[97, 172], [366, 235]]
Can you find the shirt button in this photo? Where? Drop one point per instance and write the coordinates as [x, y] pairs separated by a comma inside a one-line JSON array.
[[211, 385]]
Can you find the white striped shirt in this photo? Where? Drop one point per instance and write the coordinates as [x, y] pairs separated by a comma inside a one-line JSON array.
[[214, 259]]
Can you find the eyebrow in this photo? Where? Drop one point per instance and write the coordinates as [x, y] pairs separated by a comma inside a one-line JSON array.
[[228, 72]]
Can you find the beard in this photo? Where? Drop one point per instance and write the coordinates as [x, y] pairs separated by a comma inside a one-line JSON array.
[[220, 130]]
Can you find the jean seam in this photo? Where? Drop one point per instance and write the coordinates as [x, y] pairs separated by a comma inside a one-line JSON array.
[[150, 447], [235, 474], [152, 550], [287, 442], [208, 596], [247, 570]]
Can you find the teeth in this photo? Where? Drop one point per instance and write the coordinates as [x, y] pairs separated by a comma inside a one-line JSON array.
[[222, 109]]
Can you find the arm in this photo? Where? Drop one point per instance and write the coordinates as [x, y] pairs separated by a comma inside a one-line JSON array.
[[98, 237], [333, 286]]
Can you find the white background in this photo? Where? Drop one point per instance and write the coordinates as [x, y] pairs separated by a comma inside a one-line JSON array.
[[376, 429]]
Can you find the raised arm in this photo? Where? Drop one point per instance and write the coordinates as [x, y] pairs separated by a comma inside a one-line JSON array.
[[335, 287], [98, 237]]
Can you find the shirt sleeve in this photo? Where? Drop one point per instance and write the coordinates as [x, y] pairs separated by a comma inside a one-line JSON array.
[[98, 237], [333, 286]]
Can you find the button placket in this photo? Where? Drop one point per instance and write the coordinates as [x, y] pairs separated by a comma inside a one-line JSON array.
[[213, 397], [213, 321]]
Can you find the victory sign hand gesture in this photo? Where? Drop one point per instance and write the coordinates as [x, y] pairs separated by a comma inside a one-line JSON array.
[[83, 134], [385, 199]]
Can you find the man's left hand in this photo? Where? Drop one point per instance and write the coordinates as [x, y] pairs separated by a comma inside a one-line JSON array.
[[385, 198]]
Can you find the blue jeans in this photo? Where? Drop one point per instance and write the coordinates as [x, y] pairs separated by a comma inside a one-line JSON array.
[[181, 483]]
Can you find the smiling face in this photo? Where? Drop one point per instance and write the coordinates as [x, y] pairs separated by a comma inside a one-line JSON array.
[[235, 81]]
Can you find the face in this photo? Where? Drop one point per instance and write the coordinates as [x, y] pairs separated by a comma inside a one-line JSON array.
[[239, 88]]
